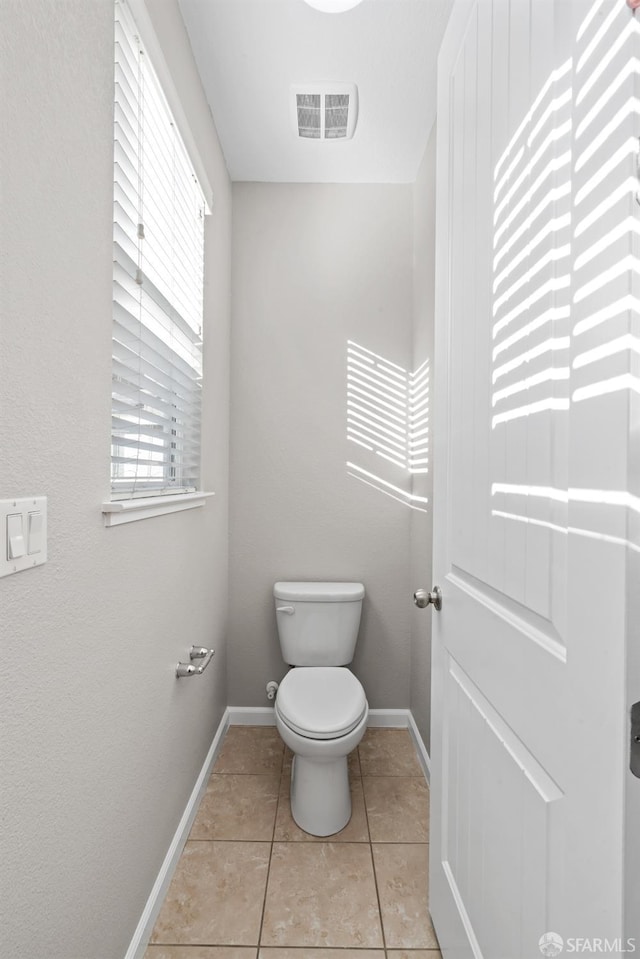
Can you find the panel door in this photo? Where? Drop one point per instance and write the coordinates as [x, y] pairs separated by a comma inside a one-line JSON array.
[[536, 307]]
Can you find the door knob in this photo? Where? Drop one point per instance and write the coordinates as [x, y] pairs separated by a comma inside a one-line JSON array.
[[422, 598]]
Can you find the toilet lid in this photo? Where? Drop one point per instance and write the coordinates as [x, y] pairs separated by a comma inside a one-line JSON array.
[[321, 702]]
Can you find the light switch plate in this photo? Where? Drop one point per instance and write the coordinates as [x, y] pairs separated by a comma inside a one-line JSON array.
[[23, 506]]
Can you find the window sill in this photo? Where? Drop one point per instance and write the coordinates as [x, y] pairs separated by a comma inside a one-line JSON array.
[[130, 510]]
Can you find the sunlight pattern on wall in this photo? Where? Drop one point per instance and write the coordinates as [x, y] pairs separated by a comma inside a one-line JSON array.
[[566, 267], [377, 395], [418, 413], [388, 417]]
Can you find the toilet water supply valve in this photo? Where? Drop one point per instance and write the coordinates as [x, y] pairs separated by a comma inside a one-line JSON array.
[[272, 689]]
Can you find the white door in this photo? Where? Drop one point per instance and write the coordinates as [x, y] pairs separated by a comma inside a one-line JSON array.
[[536, 495]]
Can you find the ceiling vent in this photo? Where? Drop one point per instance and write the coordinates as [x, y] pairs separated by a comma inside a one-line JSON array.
[[324, 111]]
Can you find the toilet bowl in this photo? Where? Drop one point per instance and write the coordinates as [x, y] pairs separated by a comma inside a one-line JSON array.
[[321, 709], [321, 714]]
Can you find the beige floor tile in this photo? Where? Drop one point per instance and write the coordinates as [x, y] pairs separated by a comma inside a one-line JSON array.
[[237, 807], [414, 954], [201, 952], [257, 750], [286, 765], [397, 808], [353, 762], [388, 752], [403, 886], [321, 894], [278, 952], [216, 895], [355, 831]]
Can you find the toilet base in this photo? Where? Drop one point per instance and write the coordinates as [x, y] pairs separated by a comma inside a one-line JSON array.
[[320, 794]]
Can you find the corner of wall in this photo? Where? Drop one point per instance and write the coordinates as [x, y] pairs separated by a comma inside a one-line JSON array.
[[423, 352]]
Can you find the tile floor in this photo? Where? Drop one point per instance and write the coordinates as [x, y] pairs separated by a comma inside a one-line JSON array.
[[250, 881]]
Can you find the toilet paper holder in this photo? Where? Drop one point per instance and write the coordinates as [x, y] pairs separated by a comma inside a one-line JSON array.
[[196, 652]]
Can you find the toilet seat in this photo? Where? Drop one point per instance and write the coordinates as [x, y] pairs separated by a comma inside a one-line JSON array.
[[321, 702]]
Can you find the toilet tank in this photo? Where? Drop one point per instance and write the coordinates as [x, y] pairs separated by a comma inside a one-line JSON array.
[[318, 622]]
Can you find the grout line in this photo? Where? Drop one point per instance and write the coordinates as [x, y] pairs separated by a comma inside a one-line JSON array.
[[225, 945], [356, 776], [264, 842], [314, 842], [264, 901], [273, 833], [227, 773], [375, 882], [373, 866], [320, 839], [350, 948]]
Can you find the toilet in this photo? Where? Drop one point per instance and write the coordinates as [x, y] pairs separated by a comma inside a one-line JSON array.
[[321, 709]]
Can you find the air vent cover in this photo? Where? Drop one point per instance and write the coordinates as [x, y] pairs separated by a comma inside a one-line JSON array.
[[324, 111]]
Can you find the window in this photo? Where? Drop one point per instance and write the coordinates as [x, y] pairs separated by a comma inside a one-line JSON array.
[[158, 232]]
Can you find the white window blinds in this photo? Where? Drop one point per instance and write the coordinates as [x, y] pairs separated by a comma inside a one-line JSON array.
[[158, 232]]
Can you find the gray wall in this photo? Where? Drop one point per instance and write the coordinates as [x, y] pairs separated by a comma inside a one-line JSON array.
[[314, 266], [100, 745], [422, 523]]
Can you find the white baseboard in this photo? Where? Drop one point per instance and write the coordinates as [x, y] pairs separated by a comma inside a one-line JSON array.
[[240, 716], [140, 940], [251, 715], [391, 718], [421, 749]]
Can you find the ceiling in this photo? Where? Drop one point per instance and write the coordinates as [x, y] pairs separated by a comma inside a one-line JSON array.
[[250, 52]]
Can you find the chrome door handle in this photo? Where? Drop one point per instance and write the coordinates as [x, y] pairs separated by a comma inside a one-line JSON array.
[[422, 598]]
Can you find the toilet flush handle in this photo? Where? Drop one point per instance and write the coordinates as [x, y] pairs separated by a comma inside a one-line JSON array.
[[289, 610]]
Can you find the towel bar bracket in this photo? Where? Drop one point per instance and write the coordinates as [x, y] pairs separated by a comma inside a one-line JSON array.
[[196, 652]]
